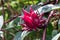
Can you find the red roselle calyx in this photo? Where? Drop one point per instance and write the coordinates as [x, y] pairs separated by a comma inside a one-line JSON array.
[[32, 20]]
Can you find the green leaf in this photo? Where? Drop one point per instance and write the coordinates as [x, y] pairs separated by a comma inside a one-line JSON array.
[[59, 23], [47, 8], [17, 20], [13, 3], [18, 35], [31, 2], [10, 25], [56, 7], [56, 37], [54, 32], [24, 34], [21, 35]]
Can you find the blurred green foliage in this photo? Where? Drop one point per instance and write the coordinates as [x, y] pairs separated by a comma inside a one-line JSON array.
[[17, 5]]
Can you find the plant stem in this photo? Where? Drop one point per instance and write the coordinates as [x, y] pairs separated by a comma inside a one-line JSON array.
[[44, 34], [57, 1], [47, 21]]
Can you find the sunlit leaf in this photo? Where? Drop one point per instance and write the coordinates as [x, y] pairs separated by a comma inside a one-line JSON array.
[[1, 34], [4, 8], [56, 7], [47, 8], [31, 2], [1, 21]]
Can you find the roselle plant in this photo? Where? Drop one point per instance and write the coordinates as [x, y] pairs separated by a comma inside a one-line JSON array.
[[33, 21]]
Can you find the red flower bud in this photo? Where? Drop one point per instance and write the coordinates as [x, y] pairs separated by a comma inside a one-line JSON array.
[[31, 20]]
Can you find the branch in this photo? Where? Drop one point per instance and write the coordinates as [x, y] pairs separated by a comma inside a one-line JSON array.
[[2, 4], [49, 17], [7, 32], [9, 20]]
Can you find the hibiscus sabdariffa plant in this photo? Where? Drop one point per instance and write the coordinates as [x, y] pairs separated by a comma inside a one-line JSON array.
[[33, 21]]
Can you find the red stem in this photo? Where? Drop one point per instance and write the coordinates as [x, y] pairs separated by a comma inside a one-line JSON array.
[[44, 34], [47, 21], [50, 15], [57, 1]]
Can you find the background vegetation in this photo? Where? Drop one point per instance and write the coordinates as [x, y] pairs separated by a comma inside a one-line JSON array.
[[11, 10]]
